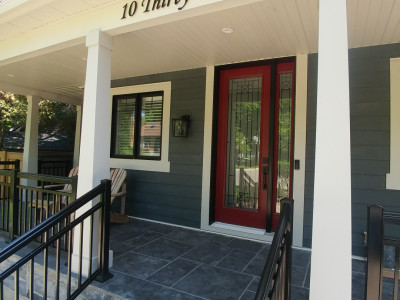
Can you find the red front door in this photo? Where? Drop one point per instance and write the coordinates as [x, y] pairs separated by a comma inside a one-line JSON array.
[[243, 146]]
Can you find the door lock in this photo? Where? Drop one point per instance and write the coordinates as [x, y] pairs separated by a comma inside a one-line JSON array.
[[265, 174]]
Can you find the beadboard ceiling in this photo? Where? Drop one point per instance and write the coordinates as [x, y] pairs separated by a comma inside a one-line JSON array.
[[262, 30]]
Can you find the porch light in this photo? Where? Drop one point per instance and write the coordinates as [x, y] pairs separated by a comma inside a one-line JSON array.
[[180, 127], [227, 30]]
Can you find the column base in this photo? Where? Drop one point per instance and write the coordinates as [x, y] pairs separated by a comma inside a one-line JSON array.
[[85, 264]]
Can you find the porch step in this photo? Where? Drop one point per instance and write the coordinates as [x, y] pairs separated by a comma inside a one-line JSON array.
[[92, 292], [96, 293]]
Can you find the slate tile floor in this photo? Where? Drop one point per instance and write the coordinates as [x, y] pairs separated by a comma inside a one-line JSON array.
[[157, 261]]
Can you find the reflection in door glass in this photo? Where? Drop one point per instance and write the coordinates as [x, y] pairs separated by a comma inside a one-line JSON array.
[[284, 138], [242, 150]]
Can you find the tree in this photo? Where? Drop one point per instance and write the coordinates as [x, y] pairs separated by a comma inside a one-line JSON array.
[[54, 117], [12, 112]]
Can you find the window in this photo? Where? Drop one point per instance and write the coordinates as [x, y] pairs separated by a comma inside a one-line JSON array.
[[140, 127], [137, 125]]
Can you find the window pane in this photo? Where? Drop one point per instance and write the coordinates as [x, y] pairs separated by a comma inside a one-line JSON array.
[[124, 144], [284, 138], [150, 133]]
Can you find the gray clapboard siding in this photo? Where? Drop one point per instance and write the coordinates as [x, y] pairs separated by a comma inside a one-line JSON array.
[[370, 152], [369, 71], [369, 167], [169, 201], [173, 197], [363, 109], [370, 138]]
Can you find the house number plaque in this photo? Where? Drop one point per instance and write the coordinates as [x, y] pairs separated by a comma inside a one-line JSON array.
[[130, 9]]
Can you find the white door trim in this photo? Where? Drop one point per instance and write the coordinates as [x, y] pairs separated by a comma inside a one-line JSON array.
[[299, 176]]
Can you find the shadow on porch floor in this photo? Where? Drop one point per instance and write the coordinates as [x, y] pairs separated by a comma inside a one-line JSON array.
[[157, 261]]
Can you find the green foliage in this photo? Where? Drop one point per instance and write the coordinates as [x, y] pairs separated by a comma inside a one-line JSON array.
[[54, 117], [57, 117], [242, 146], [12, 111], [246, 129]]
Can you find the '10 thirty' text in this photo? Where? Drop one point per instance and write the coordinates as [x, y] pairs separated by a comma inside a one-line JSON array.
[[130, 9]]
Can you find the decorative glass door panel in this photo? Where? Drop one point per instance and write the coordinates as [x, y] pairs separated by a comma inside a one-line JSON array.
[[284, 111], [284, 138], [243, 144]]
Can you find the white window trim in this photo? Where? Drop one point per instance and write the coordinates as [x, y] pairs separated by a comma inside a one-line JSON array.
[[393, 177], [162, 165]]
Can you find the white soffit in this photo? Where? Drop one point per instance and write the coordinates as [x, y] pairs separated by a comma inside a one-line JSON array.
[[263, 29]]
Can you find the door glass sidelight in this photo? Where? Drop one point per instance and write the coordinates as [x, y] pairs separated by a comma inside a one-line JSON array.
[[243, 143], [284, 138]]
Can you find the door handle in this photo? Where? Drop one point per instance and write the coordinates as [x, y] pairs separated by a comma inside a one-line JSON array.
[[265, 174]]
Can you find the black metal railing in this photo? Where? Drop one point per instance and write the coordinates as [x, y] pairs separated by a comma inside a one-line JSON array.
[[8, 216], [376, 242], [275, 279], [28, 199], [40, 196], [47, 272]]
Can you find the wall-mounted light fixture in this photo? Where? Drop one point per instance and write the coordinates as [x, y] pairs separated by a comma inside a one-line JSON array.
[[180, 127]]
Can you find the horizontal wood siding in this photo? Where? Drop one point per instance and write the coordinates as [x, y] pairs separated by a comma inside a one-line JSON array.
[[369, 70], [173, 197]]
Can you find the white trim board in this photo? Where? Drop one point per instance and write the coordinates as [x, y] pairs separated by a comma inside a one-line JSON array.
[[393, 177], [300, 147]]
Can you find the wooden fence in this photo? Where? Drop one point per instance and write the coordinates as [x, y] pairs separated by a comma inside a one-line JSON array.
[[11, 156]]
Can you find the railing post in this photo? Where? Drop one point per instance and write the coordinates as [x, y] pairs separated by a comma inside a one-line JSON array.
[[13, 209], [374, 253], [74, 187], [289, 203], [17, 164], [39, 169], [105, 233]]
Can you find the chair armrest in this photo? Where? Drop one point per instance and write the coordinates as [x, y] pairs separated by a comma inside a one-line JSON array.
[[123, 193]]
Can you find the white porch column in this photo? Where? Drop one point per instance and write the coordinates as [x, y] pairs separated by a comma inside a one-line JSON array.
[[78, 127], [331, 238], [95, 139], [30, 156]]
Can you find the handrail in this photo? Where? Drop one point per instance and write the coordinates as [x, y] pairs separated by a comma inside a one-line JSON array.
[[277, 270], [32, 234], [37, 201], [66, 224], [376, 270], [43, 177], [391, 217]]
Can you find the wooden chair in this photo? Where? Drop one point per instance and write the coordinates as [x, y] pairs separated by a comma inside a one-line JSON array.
[[118, 189]]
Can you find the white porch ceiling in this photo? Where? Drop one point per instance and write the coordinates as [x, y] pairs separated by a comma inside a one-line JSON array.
[[262, 30]]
